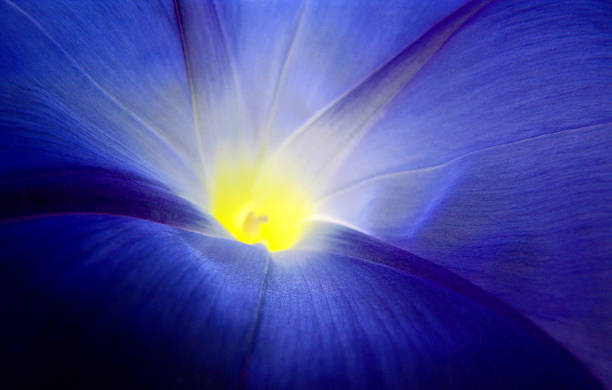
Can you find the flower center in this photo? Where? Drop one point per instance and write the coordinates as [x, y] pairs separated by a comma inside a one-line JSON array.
[[260, 204]]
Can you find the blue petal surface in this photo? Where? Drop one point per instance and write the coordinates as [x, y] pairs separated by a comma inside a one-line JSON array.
[[295, 58], [95, 301], [138, 303], [365, 315], [514, 71], [216, 100], [503, 187], [330, 135], [531, 223], [94, 190], [495, 162], [97, 83]]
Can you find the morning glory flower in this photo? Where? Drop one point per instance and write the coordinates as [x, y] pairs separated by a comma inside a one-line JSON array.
[[306, 194]]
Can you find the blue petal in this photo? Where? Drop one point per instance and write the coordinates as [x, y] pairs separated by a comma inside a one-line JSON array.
[[93, 190], [495, 163], [294, 58], [329, 136], [115, 302], [387, 319], [220, 122], [515, 71], [113, 293], [531, 223], [96, 84]]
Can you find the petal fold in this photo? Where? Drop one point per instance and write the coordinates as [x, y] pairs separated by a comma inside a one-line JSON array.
[[95, 83], [331, 134], [89, 190], [115, 302], [295, 58], [494, 162], [333, 320]]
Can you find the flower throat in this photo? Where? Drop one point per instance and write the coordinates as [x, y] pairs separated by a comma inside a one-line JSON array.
[[259, 204]]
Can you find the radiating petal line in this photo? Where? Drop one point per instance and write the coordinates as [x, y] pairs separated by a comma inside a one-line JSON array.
[[373, 360], [221, 126], [282, 77], [34, 217], [256, 324], [152, 128], [318, 218], [192, 94], [382, 176], [385, 255], [153, 270], [232, 63], [482, 297], [358, 107]]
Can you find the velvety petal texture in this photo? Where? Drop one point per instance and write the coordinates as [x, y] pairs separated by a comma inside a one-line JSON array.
[[97, 83], [371, 316], [474, 134], [219, 122], [495, 162], [88, 190], [295, 58], [115, 302], [330, 135], [138, 303], [515, 70]]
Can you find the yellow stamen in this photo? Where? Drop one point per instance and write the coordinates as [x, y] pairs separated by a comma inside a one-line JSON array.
[[260, 204]]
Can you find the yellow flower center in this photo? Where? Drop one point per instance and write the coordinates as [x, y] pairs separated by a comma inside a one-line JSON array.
[[260, 204]]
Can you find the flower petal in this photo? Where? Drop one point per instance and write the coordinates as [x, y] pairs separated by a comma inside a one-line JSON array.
[[95, 82], [531, 223], [115, 302], [332, 320], [494, 162], [295, 58], [329, 136], [220, 124], [87, 190], [515, 71]]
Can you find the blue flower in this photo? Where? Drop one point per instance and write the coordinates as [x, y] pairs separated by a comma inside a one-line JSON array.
[[422, 191]]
